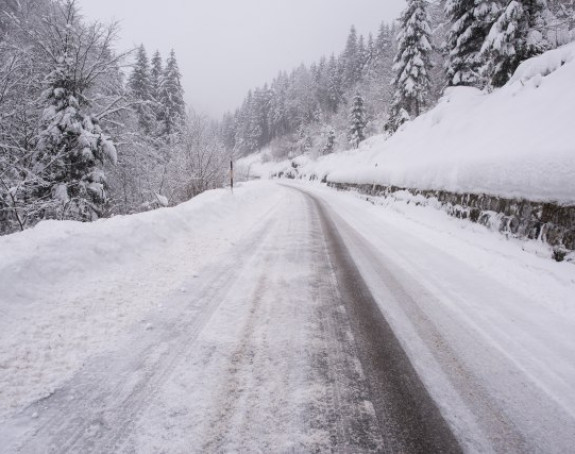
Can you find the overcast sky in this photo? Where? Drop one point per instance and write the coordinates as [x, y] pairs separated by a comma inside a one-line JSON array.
[[226, 47]]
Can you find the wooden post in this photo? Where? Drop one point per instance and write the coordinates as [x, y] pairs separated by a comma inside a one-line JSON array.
[[232, 175]]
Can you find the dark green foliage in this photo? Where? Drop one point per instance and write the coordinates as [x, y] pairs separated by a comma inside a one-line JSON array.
[[171, 97], [357, 120], [411, 65], [471, 21], [140, 85], [516, 35]]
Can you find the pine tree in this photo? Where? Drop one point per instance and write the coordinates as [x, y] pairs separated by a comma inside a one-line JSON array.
[[561, 24], [411, 64], [357, 120], [172, 105], [384, 40], [362, 57], [566, 13], [259, 118], [278, 111], [329, 142], [228, 131], [351, 60], [140, 86], [156, 75], [139, 81], [370, 55], [72, 146], [516, 36], [334, 80], [380, 73], [321, 84], [397, 116], [156, 84], [244, 140], [471, 21]]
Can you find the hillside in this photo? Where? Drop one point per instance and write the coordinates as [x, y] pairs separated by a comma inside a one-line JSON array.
[[516, 142]]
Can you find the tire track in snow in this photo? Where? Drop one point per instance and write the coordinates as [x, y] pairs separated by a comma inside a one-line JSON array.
[[493, 429], [409, 419], [253, 404], [233, 393], [260, 393], [355, 427]]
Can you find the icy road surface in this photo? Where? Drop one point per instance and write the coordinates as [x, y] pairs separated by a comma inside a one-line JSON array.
[[330, 325]]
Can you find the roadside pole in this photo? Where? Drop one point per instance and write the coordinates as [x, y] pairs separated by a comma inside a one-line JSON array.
[[232, 175]]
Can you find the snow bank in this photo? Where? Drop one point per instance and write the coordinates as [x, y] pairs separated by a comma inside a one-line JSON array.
[[54, 250], [68, 290], [517, 142]]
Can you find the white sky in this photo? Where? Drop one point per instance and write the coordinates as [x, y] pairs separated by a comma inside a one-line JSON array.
[[226, 47]]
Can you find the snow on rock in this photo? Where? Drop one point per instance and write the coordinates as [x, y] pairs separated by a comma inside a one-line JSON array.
[[517, 142]]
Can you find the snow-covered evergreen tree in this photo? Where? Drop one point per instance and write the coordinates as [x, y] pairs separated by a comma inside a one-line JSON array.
[[517, 35], [329, 142], [561, 23], [351, 60], [334, 81], [370, 55], [244, 140], [358, 121], [140, 85], [278, 111], [140, 82], [412, 64], [320, 88], [156, 84], [397, 116], [156, 75], [440, 26], [471, 21], [228, 131], [362, 57], [171, 98], [72, 147], [377, 86]]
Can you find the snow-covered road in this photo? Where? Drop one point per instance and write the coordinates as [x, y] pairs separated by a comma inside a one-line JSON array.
[[320, 323]]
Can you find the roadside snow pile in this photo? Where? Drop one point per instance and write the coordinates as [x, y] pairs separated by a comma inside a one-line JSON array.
[[57, 250], [517, 142], [68, 290]]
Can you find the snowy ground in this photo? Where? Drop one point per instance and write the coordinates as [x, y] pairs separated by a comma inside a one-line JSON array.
[[200, 328], [68, 290]]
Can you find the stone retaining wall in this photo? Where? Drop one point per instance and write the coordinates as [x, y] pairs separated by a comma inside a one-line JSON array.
[[550, 223]]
